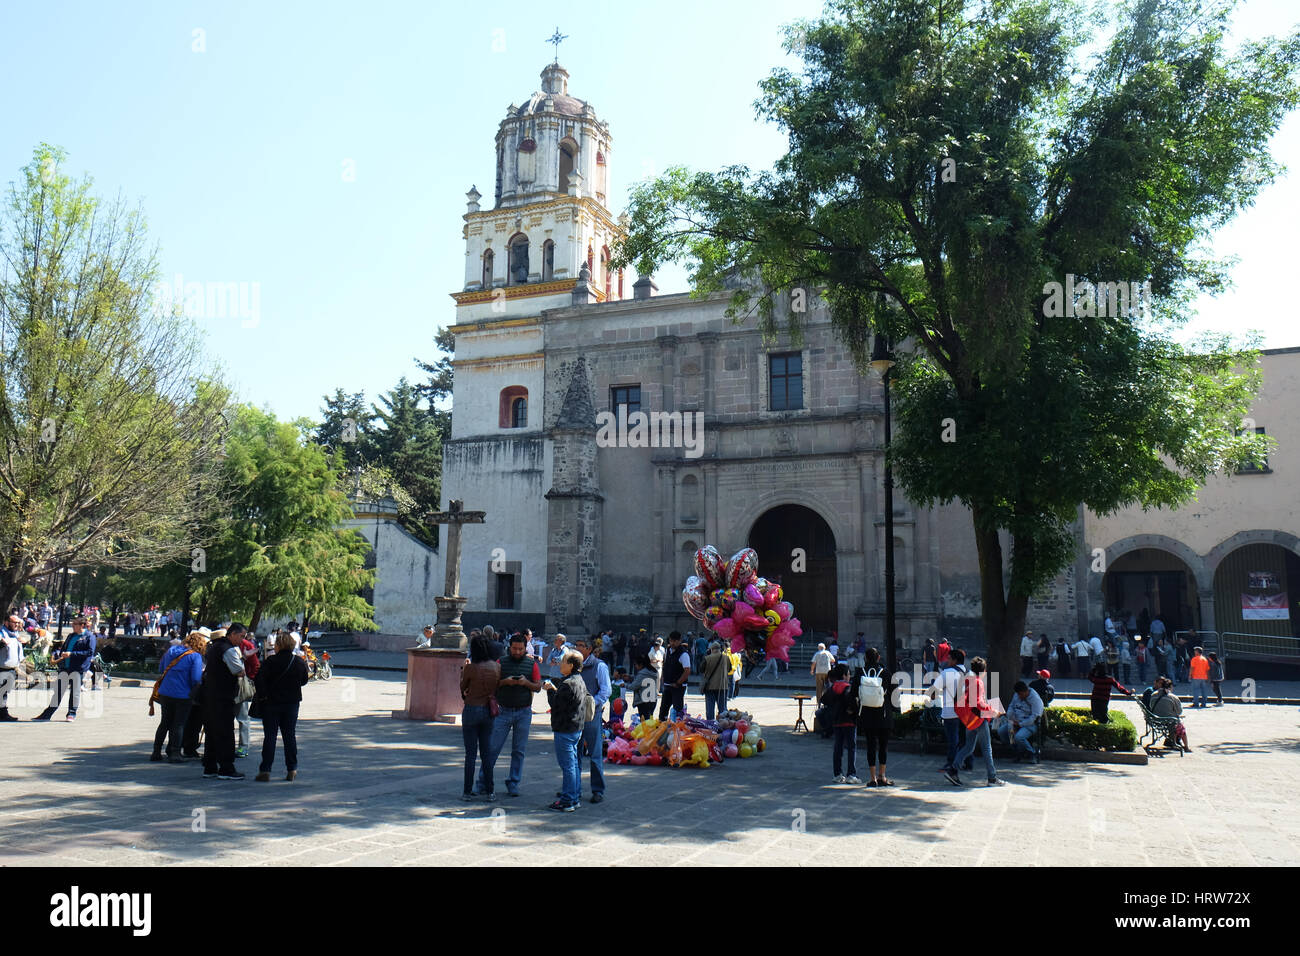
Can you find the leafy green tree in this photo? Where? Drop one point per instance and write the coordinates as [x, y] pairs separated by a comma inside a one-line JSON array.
[[439, 385], [345, 426], [281, 552], [107, 407], [947, 162], [409, 446]]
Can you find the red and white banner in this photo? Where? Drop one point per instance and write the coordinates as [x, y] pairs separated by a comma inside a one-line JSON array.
[[1264, 607]]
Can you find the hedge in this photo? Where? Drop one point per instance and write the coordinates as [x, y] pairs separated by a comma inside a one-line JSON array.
[[1077, 726], [1074, 725]]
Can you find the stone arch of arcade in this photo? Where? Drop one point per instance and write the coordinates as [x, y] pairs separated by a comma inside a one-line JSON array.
[[1153, 571], [776, 527]]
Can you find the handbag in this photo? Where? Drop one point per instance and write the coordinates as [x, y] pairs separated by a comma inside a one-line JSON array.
[[247, 691], [153, 698]]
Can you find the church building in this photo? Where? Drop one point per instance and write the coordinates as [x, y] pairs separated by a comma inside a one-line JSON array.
[[589, 526]]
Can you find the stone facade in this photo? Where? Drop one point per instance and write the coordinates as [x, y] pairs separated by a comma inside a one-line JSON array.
[[601, 533]]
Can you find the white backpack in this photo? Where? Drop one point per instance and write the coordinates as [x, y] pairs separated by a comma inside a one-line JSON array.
[[871, 689]]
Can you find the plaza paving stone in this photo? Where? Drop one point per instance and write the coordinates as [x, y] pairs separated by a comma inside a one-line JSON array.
[[374, 791]]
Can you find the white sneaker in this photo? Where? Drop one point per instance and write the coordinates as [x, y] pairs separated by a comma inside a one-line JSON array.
[[840, 779], [852, 780]]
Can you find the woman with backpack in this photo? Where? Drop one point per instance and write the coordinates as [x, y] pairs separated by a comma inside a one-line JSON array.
[[877, 722], [841, 702], [1063, 657], [568, 713], [975, 714]]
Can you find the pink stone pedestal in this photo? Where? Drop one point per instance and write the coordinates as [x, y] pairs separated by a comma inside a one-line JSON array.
[[432, 684]]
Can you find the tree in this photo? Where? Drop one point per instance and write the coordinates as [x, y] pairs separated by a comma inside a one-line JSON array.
[[282, 551], [439, 385], [947, 162], [105, 404], [409, 446], [345, 426]]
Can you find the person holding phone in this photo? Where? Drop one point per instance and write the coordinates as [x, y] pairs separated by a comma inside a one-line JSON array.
[[73, 661], [568, 704]]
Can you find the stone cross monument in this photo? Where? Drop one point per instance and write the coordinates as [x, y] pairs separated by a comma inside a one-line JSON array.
[[448, 632]]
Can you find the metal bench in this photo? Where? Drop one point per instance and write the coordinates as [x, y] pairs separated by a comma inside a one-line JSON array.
[[932, 723], [1157, 727]]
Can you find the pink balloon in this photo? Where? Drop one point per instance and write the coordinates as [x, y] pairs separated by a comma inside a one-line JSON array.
[[742, 568], [796, 629], [747, 617], [753, 596], [785, 609], [771, 594], [709, 566], [727, 629], [738, 643], [779, 647]]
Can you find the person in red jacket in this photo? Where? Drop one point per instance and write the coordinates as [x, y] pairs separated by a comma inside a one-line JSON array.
[[1102, 683], [975, 712]]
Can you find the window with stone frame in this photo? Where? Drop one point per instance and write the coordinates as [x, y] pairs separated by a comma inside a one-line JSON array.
[[629, 395], [785, 381], [488, 258], [517, 273], [548, 260], [513, 407]]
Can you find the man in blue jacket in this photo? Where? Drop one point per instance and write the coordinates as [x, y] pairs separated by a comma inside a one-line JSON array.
[[73, 661], [596, 676]]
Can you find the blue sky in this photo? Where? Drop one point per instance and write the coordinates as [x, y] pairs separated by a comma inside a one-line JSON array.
[[323, 149]]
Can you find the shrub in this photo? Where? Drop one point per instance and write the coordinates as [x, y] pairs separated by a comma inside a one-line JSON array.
[[1077, 726]]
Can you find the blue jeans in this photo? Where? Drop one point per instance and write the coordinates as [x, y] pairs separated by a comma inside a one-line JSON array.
[[281, 719], [714, 700], [566, 755], [1200, 692], [520, 720], [1023, 736], [978, 738], [952, 730], [594, 740], [476, 728], [846, 738]]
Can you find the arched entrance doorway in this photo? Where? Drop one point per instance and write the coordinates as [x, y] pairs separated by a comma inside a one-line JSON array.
[[808, 580], [1155, 580], [1256, 589]]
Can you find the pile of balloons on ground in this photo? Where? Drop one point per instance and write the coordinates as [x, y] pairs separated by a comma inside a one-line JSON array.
[[731, 600], [684, 742]]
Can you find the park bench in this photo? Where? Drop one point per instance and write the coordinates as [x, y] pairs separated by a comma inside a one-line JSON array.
[[932, 723], [1157, 727]]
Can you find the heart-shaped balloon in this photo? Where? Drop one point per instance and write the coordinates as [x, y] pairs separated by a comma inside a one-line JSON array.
[[742, 568], [709, 566], [784, 610], [747, 617], [695, 597], [753, 596], [728, 630], [778, 645], [771, 594]]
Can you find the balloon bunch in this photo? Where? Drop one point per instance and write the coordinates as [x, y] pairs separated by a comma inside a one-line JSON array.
[[685, 742], [743, 609]]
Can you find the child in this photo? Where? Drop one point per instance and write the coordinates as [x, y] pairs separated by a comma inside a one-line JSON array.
[[1216, 678], [645, 688], [618, 686], [841, 703]]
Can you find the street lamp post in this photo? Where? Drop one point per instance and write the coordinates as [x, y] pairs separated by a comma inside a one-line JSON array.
[[882, 360]]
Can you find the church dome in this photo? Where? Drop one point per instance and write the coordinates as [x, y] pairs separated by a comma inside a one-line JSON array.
[[555, 87]]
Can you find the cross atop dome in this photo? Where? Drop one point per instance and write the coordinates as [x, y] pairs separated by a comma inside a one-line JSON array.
[[557, 39]]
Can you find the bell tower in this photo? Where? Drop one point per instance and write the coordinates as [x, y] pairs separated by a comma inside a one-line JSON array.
[[550, 213]]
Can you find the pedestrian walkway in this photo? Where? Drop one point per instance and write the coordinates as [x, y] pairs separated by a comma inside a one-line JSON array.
[[378, 791]]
